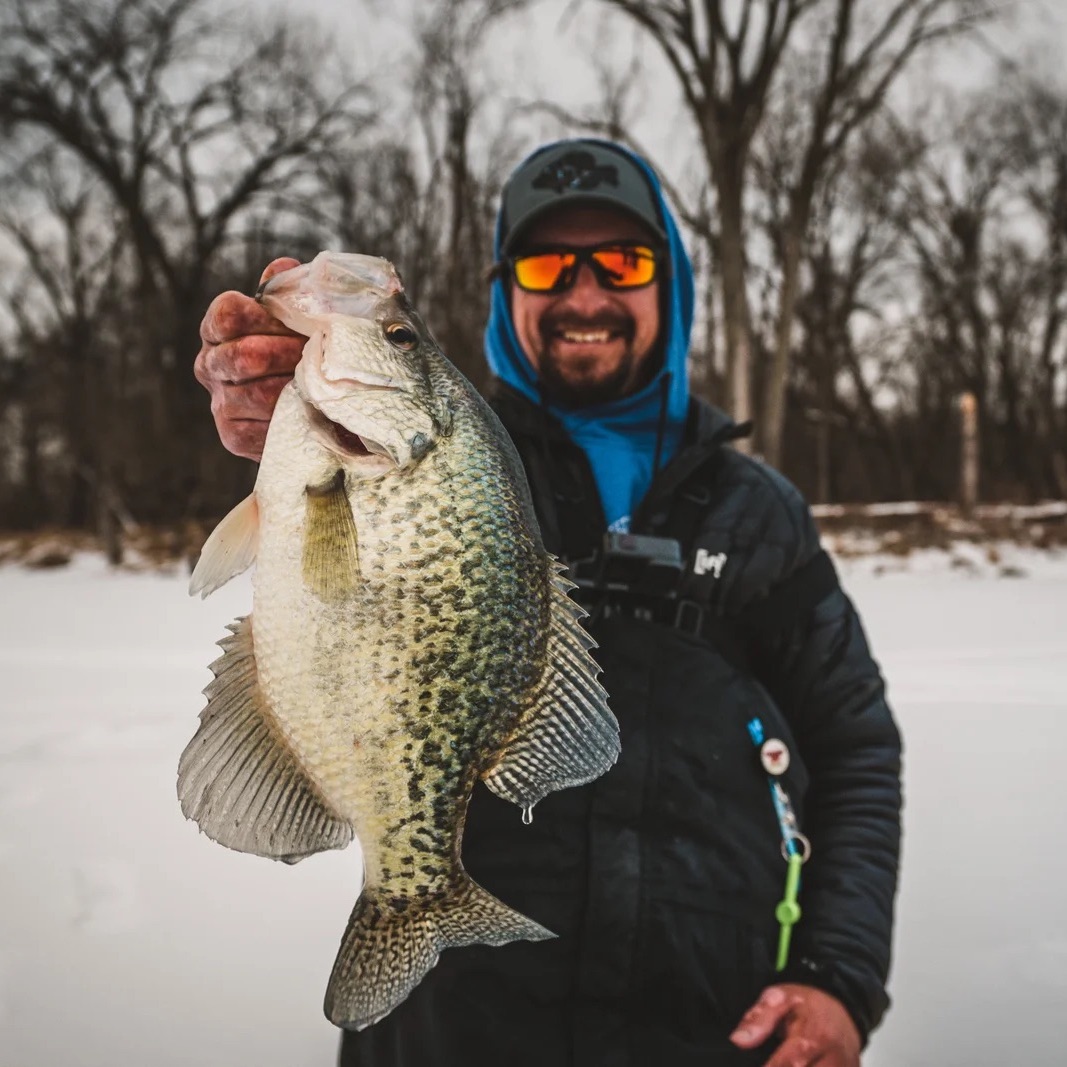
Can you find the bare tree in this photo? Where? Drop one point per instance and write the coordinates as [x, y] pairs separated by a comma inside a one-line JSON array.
[[426, 198], [187, 123], [984, 221], [852, 263], [449, 98], [727, 57], [1038, 115], [61, 307]]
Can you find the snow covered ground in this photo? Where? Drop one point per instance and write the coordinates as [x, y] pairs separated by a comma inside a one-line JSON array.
[[126, 938]]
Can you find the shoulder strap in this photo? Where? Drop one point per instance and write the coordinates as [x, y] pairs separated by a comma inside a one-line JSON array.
[[742, 638]]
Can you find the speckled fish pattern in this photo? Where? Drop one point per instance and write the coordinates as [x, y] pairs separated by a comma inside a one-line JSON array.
[[409, 634]]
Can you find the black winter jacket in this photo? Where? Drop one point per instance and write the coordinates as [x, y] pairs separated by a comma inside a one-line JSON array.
[[661, 878]]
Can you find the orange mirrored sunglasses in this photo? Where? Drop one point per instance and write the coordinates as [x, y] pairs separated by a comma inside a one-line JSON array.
[[616, 266]]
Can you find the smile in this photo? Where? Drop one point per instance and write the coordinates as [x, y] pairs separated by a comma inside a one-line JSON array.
[[586, 337]]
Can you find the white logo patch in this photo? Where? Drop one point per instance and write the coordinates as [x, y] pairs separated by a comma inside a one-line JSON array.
[[705, 562]]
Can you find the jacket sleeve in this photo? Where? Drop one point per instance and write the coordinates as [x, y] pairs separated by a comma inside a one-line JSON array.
[[820, 671]]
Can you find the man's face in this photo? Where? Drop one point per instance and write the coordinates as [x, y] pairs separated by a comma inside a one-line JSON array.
[[588, 344]]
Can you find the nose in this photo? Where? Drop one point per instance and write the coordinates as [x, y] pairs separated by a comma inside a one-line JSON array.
[[586, 294]]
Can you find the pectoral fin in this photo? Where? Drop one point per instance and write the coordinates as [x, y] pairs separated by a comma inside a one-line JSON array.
[[567, 735], [331, 548], [239, 779], [229, 551]]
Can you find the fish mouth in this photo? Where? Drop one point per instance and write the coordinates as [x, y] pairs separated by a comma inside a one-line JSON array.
[[350, 443], [342, 440]]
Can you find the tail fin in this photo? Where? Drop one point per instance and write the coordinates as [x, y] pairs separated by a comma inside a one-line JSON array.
[[387, 951]]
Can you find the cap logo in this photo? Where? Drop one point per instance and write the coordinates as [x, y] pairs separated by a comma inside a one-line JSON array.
[[576, 170]]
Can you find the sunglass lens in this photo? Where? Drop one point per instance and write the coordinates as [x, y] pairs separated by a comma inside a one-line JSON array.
[[627, 267], [543, 272]]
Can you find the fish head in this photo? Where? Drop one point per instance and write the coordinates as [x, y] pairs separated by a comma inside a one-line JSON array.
[[365, 370]]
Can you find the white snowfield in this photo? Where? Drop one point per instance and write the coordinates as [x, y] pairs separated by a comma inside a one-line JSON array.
[[127, 938]]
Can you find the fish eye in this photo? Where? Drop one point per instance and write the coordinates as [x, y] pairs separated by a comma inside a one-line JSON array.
[[401, 335]]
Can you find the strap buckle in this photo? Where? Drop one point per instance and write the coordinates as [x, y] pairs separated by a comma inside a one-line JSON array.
[[689, 617]]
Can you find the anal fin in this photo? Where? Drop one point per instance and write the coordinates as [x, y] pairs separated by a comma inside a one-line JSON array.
[[239, 780]]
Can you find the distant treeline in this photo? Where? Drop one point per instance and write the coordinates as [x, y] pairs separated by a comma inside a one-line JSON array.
[[858, 268]]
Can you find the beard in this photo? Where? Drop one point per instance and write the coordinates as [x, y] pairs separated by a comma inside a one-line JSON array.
[[575, 383]]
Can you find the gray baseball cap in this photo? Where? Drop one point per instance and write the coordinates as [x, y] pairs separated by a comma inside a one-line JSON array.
[[578, 171]]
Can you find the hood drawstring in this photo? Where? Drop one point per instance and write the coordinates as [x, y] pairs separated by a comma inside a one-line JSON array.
[[661, 424], [549, 464], [542, 426]]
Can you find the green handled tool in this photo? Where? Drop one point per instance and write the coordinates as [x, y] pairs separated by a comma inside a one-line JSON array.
[[788, 911]]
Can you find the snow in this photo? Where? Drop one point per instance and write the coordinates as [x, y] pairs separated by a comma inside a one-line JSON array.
[[126, 937]]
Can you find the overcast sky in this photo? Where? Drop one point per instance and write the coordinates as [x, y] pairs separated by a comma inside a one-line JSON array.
[[548, 52]]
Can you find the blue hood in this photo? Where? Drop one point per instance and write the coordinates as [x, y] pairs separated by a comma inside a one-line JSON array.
[[620, 437]]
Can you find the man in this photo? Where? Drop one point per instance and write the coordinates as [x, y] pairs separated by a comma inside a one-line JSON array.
[[753, 720]]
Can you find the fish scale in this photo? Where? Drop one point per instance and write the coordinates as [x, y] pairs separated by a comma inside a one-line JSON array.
[[409, 635]]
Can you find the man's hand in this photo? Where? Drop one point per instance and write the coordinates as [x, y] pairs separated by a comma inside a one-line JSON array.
[[245, 361], [814, 1026]]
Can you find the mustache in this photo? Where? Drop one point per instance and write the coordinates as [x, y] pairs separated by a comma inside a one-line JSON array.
[[557, 322]]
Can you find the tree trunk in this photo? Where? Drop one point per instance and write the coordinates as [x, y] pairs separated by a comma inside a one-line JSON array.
[[735, 312], [772, 422], [970, 456]]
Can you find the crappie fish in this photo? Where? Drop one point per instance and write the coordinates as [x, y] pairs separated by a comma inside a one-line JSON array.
[[409, 635]]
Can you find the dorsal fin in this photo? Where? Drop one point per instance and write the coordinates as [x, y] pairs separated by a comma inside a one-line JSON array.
[[567, 735]]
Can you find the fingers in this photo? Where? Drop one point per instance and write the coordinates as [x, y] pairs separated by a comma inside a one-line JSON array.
[[814, 1026], [800, 1052], [763, 1018], [232, 314], [250, 400], [244, 438], [242, 414], [276, 266], [768, 1015], [246, 358]]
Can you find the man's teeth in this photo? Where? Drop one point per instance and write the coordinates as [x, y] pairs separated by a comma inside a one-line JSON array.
[[586, 337]]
